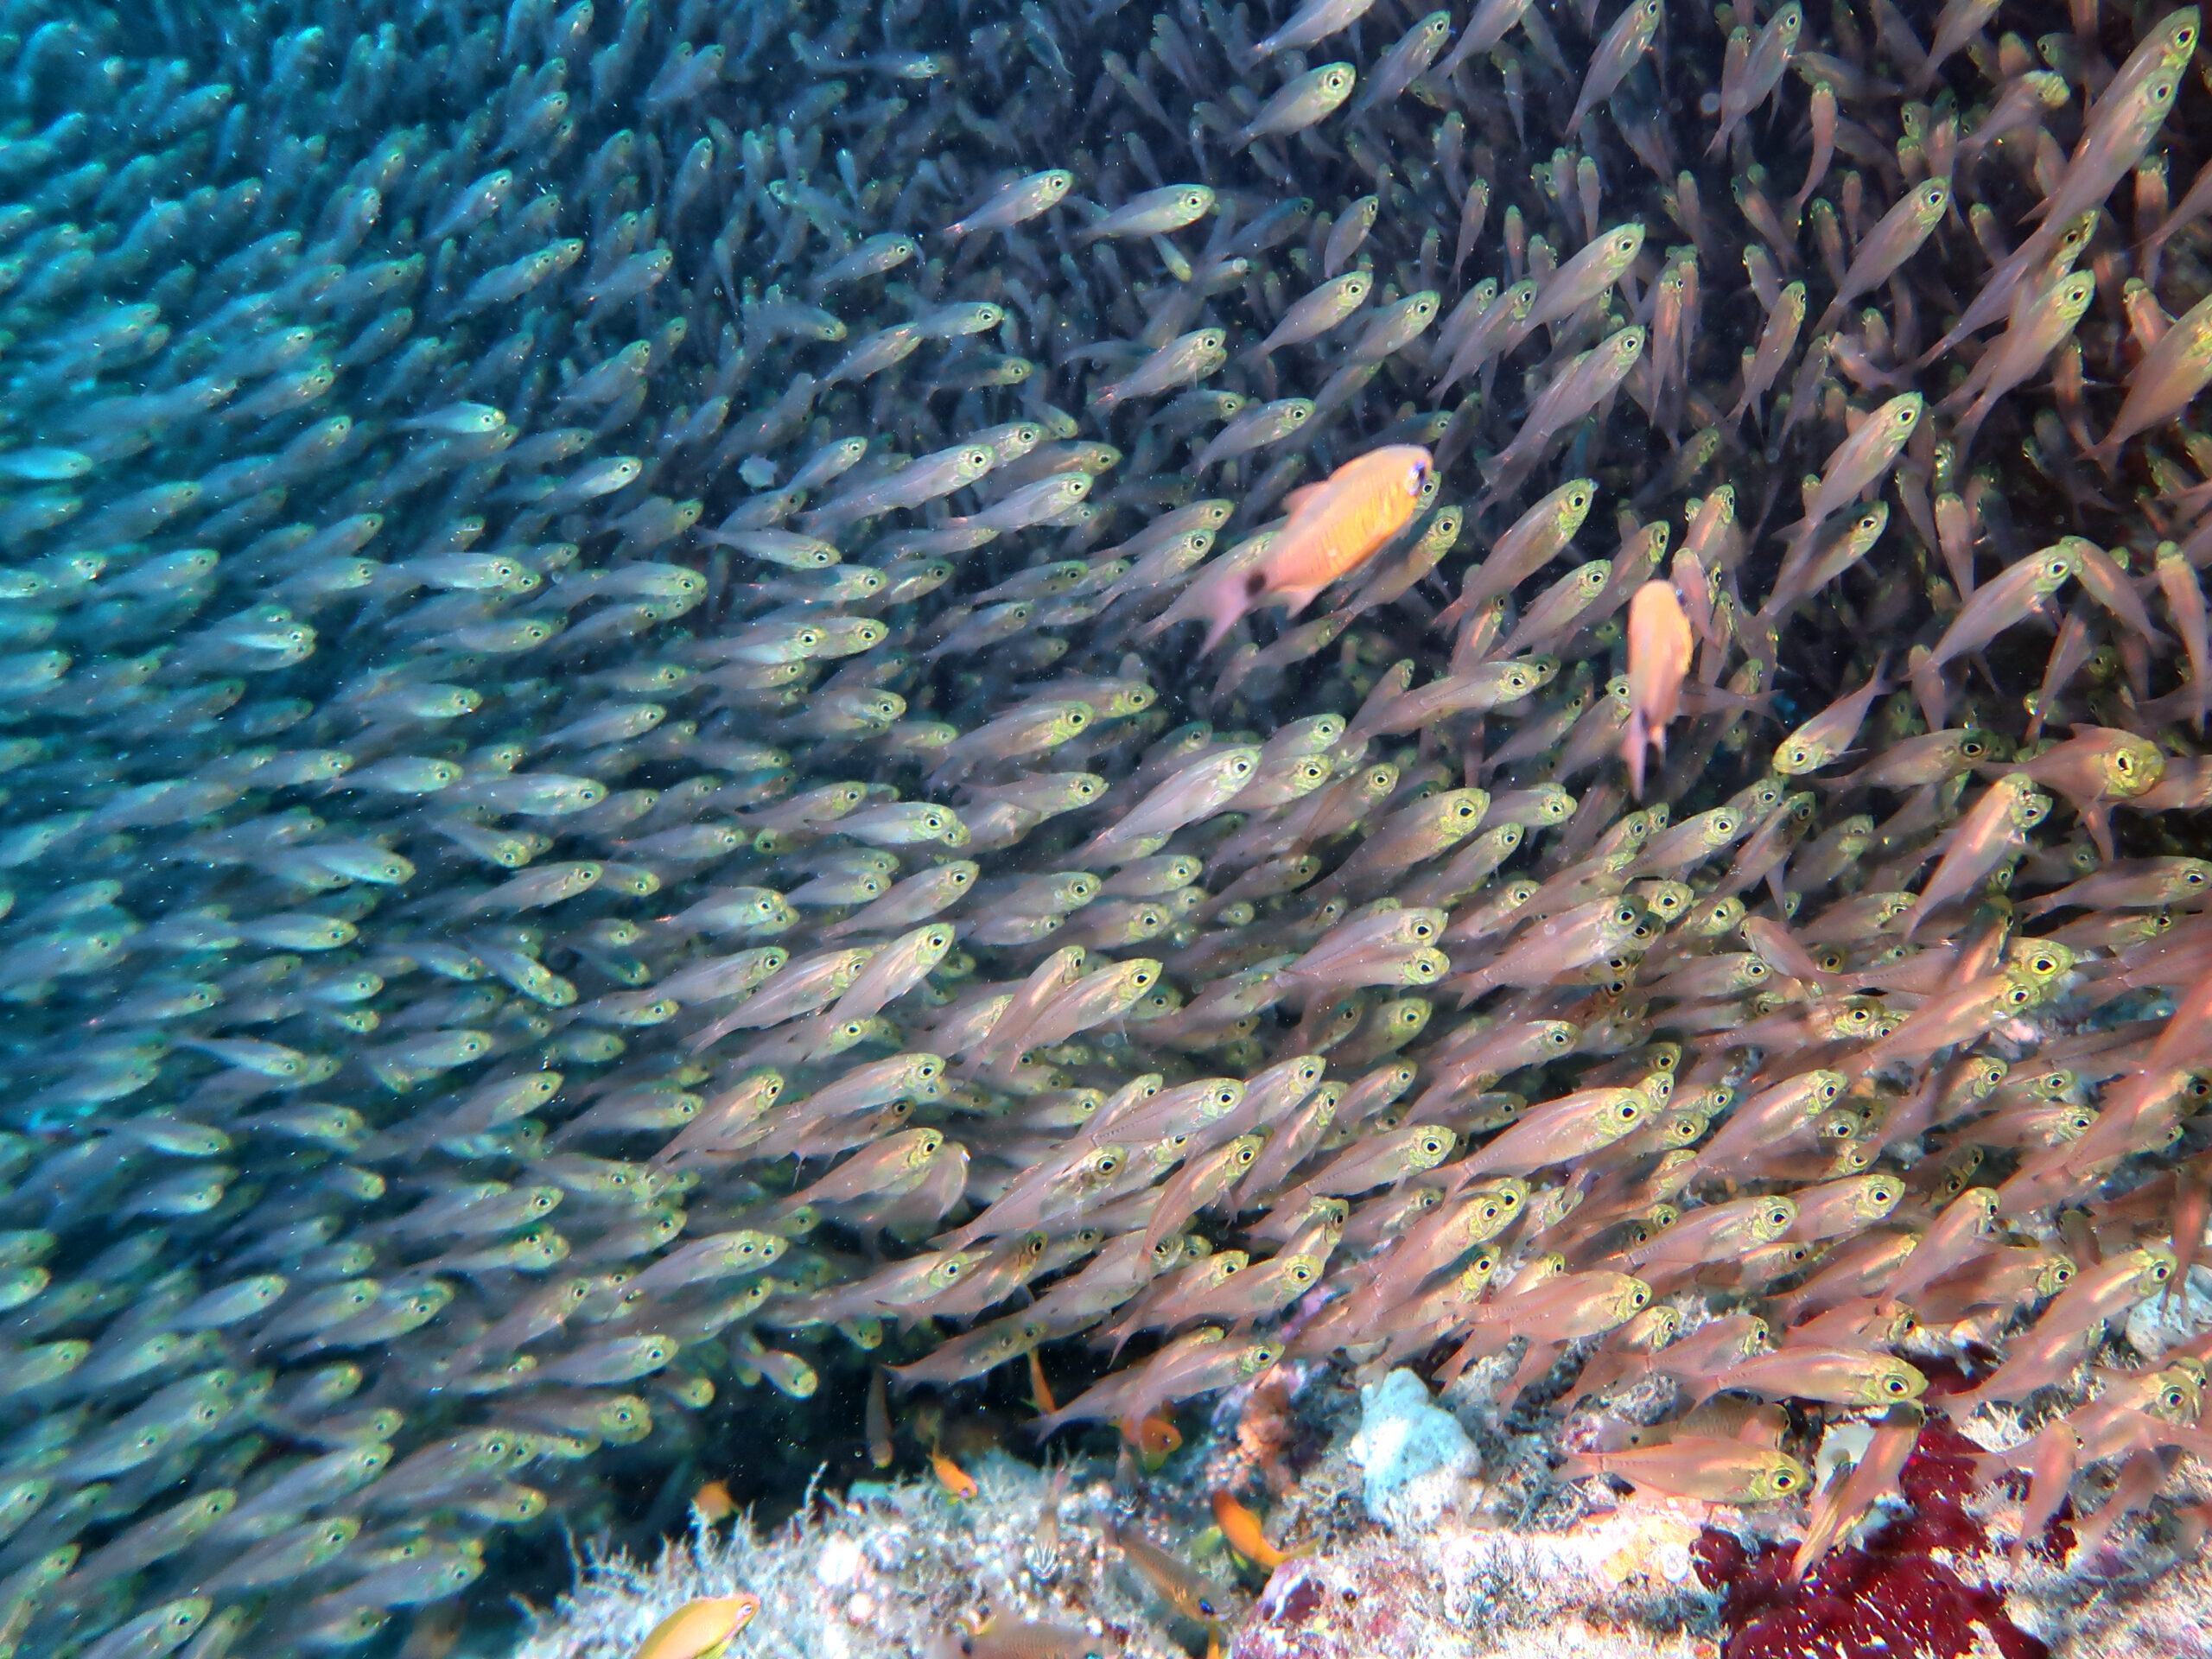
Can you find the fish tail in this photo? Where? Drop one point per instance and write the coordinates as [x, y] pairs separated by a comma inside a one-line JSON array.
[[1938, 349], [1226, 605]]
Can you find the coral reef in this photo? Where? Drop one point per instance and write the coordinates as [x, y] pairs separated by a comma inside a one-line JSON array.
[[1494, 1574], [884, 1569]]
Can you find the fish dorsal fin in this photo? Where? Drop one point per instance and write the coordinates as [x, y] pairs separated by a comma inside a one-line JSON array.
[[1298, 498]]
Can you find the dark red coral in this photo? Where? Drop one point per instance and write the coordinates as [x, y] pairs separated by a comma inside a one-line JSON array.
[[1891, 1598]]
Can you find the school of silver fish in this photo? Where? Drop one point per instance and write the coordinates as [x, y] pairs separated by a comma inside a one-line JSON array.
[[607, 798]]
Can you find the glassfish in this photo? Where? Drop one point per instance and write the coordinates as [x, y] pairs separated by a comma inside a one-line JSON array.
[[1720, 1472], [1189, 1592]]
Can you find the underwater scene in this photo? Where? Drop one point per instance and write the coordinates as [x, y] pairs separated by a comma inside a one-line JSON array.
[[1034, 829]]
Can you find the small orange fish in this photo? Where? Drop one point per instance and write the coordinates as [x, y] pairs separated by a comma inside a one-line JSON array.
[[955, 1480], [699, 1630], [1156, 1439], [714, 1502], [1335, 526], [1659, 646], [1242, 1527]]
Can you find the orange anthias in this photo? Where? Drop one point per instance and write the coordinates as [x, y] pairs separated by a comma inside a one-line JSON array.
[[1155, 1438], [700, 1629], [1242, 1527], [1335, 527], [955, 1480], [1658, 659], [714, 1502]]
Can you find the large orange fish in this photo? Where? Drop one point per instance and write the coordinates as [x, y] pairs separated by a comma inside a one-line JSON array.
[[1335, 527], [1659, 646]]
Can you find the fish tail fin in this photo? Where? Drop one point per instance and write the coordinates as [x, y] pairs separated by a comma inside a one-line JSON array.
[[1226, 603], [1939, 348], [1466, 1355], [1962, 438], [1633, 742]]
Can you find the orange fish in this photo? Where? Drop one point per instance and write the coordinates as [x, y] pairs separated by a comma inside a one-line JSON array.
[[1242, 1527], [714, 1502], [1335, 527], [699, 1630], [1658, 660], [955, 1480], [1156, 1439]]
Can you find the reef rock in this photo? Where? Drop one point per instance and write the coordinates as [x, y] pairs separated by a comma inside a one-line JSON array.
[[1417, 1459]]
